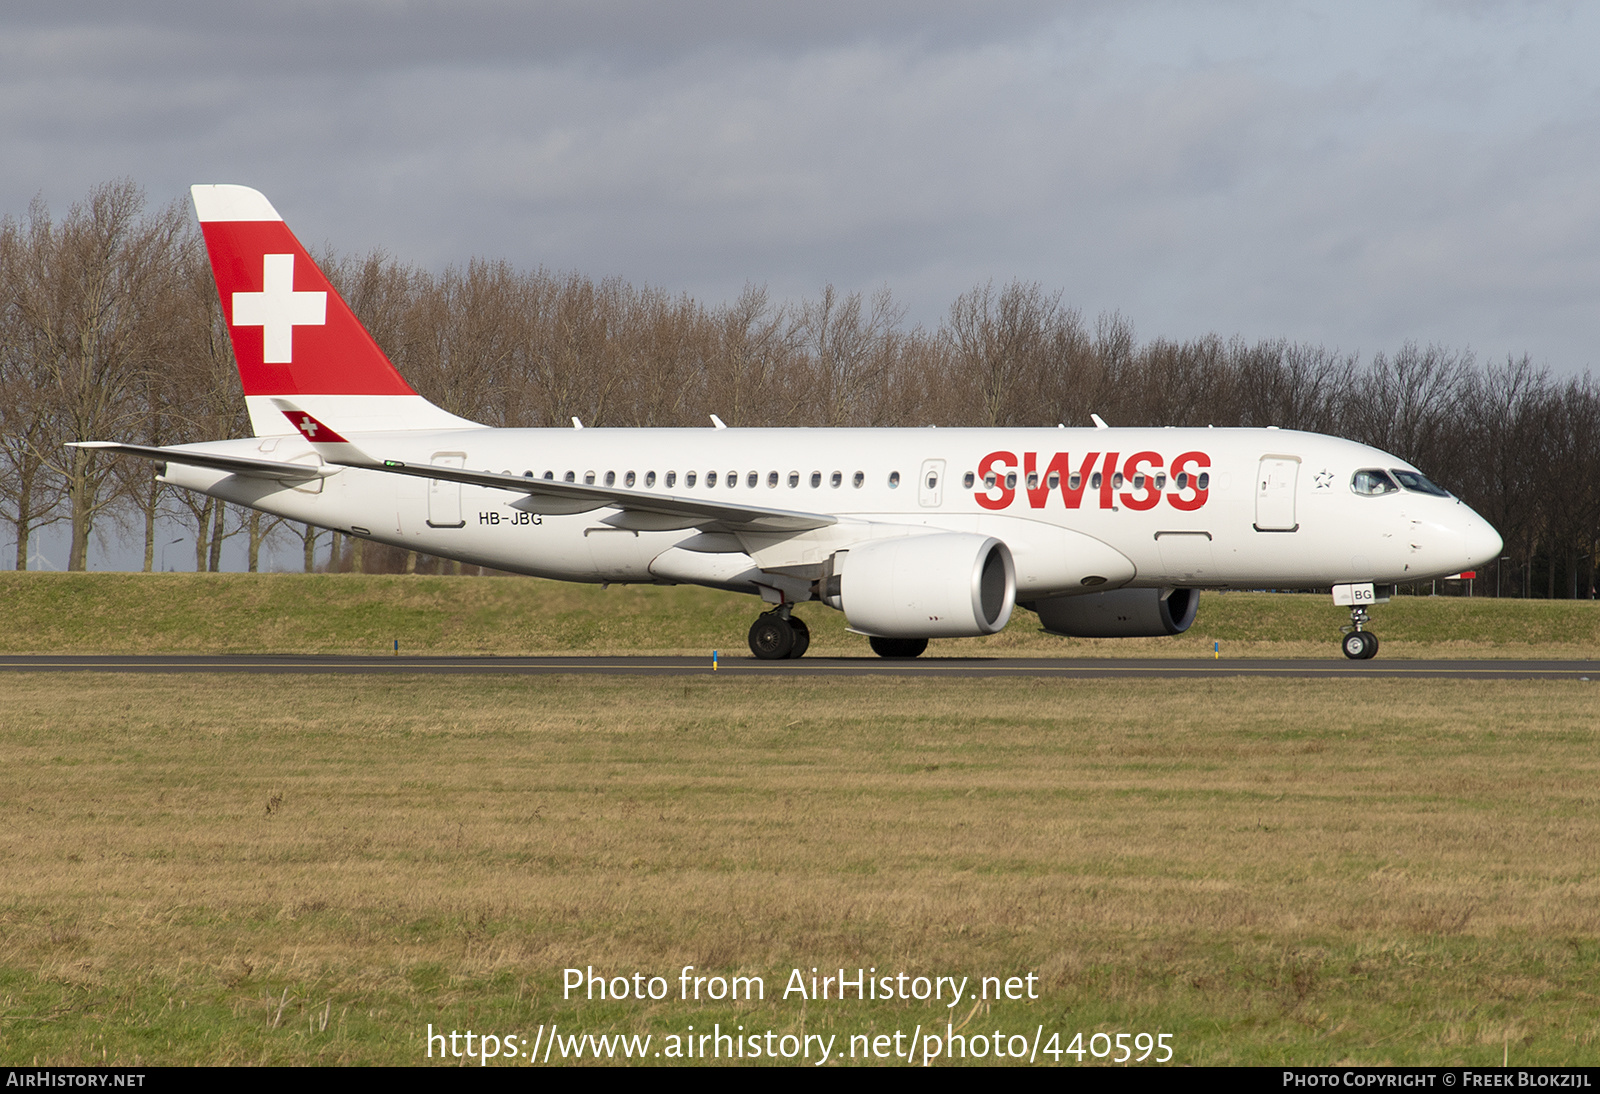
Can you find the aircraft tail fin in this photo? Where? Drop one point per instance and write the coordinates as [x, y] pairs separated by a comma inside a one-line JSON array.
[[293, 336]]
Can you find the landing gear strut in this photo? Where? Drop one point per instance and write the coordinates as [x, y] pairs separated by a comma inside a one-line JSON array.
[[1358, 645], [777, 635]]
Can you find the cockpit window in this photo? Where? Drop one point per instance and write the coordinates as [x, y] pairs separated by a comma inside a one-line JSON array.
[[1414, 480], [1372, 482]]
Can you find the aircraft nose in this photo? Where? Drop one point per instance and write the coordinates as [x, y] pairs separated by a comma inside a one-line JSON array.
[[1480, 543]]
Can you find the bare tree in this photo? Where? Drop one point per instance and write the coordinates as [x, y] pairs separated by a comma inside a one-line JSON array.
[[850, 342], [1405, 403], [30, 491], [1001, 342], [1291, 385], [91, 303]]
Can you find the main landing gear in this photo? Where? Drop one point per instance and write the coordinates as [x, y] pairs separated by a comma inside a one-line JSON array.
[[1358, 645], [777, 635], [898, 647]]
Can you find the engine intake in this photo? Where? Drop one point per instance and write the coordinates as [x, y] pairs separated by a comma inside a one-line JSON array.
[[941, 585], [1120, 613]]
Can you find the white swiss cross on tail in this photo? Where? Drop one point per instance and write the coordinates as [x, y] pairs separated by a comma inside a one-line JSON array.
[[278, 309]]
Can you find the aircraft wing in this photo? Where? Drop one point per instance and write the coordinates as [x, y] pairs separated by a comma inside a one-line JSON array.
[[237, 465], [640, 510]]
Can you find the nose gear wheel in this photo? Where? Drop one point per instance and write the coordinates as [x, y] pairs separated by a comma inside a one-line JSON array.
[[1357, 644]]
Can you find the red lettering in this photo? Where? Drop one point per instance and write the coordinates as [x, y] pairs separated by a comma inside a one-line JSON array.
[[1073, 495], [1108, 479], [1060, 466], [1145, 464], [1138, 473], [1182, 466], [985, 465]]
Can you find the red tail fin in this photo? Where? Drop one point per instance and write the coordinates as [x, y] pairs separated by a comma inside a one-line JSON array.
[[292, 334]]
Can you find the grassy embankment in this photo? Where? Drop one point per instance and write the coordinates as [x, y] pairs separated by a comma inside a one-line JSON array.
[[296, 613], [248, 869]]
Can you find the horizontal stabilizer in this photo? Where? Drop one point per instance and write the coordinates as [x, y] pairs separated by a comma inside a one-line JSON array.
[[236, 465]]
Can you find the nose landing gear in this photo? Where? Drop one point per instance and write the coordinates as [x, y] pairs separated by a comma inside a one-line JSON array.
[[1358, 645], [777, 635]]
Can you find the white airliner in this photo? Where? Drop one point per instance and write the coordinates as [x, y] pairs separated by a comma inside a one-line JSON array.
[[912, 533]]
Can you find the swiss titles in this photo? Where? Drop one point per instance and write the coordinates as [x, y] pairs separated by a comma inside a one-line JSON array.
[[1093, 480]]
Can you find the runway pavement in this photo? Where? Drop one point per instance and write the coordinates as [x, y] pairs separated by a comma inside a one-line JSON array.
[[1334, 667]]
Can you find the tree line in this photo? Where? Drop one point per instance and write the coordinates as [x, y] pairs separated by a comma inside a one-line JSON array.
[[110, 329]]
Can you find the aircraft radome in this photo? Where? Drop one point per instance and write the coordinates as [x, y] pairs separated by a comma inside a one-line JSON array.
[[912, 533]]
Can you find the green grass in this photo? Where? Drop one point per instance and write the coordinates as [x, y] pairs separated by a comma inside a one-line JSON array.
[[313, 870], [297, 613]]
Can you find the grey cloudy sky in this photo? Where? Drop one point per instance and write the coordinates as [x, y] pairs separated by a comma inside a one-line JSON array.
[[1356, 174]]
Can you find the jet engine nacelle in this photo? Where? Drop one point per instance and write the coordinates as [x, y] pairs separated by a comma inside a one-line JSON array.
[[1120, 613], [940, 585]]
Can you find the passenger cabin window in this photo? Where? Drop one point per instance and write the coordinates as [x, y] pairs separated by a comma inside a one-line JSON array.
[[1371, 482], [1033, 480], [894, 480], [628, 479], [1011, 480], [611, 478], [588, 478], [550, 476], [733, 479], [571, 477], [794, 479], [968, 479], [1415, 480], [816, 479], [672, 479], [837, 479], [861, 477], [755, 477], [772, 479], [711, 478], [688, 479], [649, 479], [1054, 481]]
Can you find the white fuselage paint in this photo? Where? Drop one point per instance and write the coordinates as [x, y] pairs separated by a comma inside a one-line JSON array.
[[1279, 510]]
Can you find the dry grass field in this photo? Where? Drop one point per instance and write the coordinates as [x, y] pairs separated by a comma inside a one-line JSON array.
[[313, 870]]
